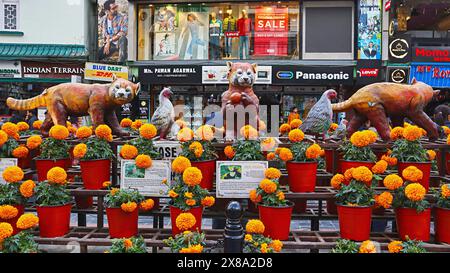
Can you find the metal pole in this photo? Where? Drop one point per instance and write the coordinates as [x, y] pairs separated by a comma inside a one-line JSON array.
[[234, 232]]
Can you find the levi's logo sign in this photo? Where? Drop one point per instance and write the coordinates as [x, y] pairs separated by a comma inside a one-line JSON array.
[[368, 72]]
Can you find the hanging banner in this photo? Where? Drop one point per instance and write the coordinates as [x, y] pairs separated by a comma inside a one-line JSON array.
[[369, 29], [104, 72], [271, 31]]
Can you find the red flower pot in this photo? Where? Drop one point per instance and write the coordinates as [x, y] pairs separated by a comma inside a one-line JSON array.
[[44, 165], [413, 224], [196, 211], [302, 176], [277, 220], [25, 162], [13, 221], [95, 172], [54, 221], [442, 225], [354, 222], [207, 168], [425, 167], [345, 165], [122, 224], [84, 202]]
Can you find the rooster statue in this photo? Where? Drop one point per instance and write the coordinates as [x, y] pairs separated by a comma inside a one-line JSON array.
[[164, 115], [320, 116], [341, 130]]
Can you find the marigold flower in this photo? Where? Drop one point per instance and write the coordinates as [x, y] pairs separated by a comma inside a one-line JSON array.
[[384, 199], [445, 191], [412, 133], [192, 176], [173, 194], [296, 135], [185, 221], [10, 129], [83, 132], [363, 138], [6, 230], [337, 181], [27, 220], [192, 249], [197, 148], [229, 152], [188, 194], [181, 123], [34, 142], [79, 151], [8, 212], [57, 175], [268, 144], [395, 246], [128, 151], [204, 132], [27, 188], [37, 124], [106, 184], [268, 186], [367, 247], [127, 243], [285, 128], [431, 155], [380, 167], [285, 154], [136, 124], [185, 134], [59, 132], [148, 131], [271, 156], [20, 152], [3, 137], [276, 245], [392, 182], [125, 123], [208, 201], [22, 126], [13, 174], [280, 195], [113, 191], [264, 248], [313, 152], [129, 206], [254, 226], [415, 192], [104, 132], [362, 174], [348, 174], [147, 204], [333, 127], [248, 132], [272, 173], [448, 140], [396, 133], [143, 161], [392, 161], [180, 164], [248, 237], [412, 173], [295, 123], [254, 196]]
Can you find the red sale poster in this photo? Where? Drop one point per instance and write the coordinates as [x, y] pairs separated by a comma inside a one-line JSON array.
[[271, 31]]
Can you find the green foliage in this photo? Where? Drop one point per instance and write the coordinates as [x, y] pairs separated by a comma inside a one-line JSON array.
[[185, 240], [441, 201], [54, 149], [272, 199], [298, 150], [51, 194], [345, 246], [409, 151], [355, 193], [412, 246], [137, 247], [8, 147], [254, 245], [198, 193], [353, 153], [146, 147], [22, 242], [98, 148], [401, 201], [248, 150], [29, 133], [209, 152], [123, 196], [10, 194]]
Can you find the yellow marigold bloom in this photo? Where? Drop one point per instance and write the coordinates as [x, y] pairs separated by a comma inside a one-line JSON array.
[[268, 186], [20, 152], [272, 173], [362, 174], [254, 196], [22, 126], [363, 138], [295, 123], [412, 133], [229, 152], [255, 226], [384, 199], [248, 132], [395, 246], [27, 220], [147, 204], [113, 191], [126, 122], [431, 155], [6, 230], [397, 133], [268, 144], [136, 124], [143, 161], [446, 130], [314, 151], [106, 184], [185, 134], [204, 132], [367, 247], [208, 201], [34, 141], [393, 182], [10, 129], [37, 124], [296, 135], [180, 164], [445, 191], [333, 127], [380, 167], [79, 151], [83, 132], [271, 156], [248, 237], [59, 132], [192, 176], [196, 248], [337, 181], [27, 188], [57, 175], [412, 173], [406, 124], [127, 243], [3, 137], [188, 194], [104, 132], [148, 131], [392, 161], [285, 128], [8, 212], [448, 140], [285, 154], [264, 248], [185, 221], [129, 206], [276, 245], [280, 195], [13, 174], [173, 194], [415, 192], [128, 151]]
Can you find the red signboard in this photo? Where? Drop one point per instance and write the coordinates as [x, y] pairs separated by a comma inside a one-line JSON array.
[[271, 31], [368, 72], [431, 54]]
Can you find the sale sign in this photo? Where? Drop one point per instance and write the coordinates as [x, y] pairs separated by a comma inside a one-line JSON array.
[[104, 72], [271, 31]]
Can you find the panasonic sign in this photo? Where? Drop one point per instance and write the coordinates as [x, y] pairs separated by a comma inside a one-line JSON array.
[[322, 76]]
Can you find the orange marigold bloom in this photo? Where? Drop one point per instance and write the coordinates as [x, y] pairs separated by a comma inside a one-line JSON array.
[[295, 123], [147, 204], [10, 129], [128, 151], [3, 137], [397, 133], [106, 184], [412, 174], [367, 247], [185, 134], [268, 144], [412, 133], [380, 167], [37, 124], [8, 212], [148, 131], [392, 161], [6, 230], [313, 152], [72, 130], [276, 245], [254, 196], [27, 220], [27, 188], [446, 130], [192, 176], [272, 173], [20, 152], [79, 151], [129, 206], [83, 132], [229, 152], [337, 181], [280, 195], [173, 194], [296, 135], [136, 124], [22, 126], [384, 199], [363, 138], [285, 154], [448, 140], [59, 132], [180, 164], [248, 132], [415, 192], [197, 148], [271, 156], [208, 201], [362, 174], [348, 174], [13, 174], [127, 243], [255, 226], [188, 195], [204, 132], [268, 186], [103, 131], [445, 190], [181, 123], [392, 182], [395, 246], [185, 221], [34, 142], [285, 128], [431, 155], [126, 122], [113, 191], [57, 175], [143, 161], [333, 127]]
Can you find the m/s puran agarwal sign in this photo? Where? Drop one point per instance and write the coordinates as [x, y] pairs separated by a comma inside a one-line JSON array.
[[293, 75]]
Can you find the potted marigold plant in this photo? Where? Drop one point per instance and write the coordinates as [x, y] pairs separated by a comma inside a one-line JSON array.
[[274, 210], [186, 193], [408, 246], [186, 241], [409, 152], [128, 245], [95, 155], [21, 242], [354, 203], [348, 246], [53, 203], [10, 148], [256, 242], [357, 152], [247, 148], [33, 144], [442, 214], [54, 152], [202, 154]]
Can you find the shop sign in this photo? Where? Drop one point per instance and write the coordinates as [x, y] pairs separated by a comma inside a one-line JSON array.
[[10, 69], [146, 181], [315, 75], [431, 54], [219, 75], [104, 72], [398, 74], [436, 75], [368, 71], [144, 109], [171, 74], [271, 31], [399, 49], [168, 149], [51, 70]]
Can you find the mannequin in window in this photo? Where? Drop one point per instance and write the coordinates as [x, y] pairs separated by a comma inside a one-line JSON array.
[[193, 27], [229, 25], [244, 28], [215, 32]]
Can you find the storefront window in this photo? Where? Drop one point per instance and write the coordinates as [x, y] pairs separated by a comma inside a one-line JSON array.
[[213, 31]]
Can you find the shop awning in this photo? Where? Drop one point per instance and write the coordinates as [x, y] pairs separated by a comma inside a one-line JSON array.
[[24, 51]]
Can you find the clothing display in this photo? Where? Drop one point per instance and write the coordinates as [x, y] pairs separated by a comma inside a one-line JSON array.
[[244, 29], [215, 32], [229, 25]]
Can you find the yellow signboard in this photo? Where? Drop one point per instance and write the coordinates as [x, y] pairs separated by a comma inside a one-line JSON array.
[[104, 72]]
